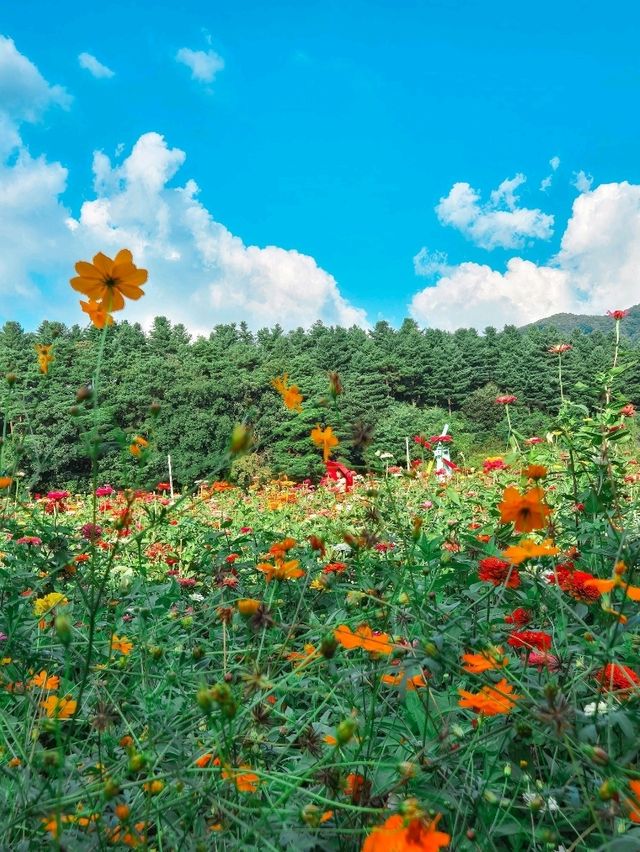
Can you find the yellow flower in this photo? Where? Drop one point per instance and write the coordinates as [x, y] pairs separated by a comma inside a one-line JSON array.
[[290, 394], [44, 356], [325, 439], [122, 644], [47, 603], [109, 281], [59, 708], [528, 549]]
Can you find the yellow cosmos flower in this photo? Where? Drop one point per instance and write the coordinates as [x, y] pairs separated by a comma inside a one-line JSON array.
[[110, 281]]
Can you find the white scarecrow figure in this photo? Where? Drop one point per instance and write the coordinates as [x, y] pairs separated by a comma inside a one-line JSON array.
[[441, 455]]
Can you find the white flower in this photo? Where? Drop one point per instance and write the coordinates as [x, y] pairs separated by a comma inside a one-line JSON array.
[[196, 596], [596, 707]]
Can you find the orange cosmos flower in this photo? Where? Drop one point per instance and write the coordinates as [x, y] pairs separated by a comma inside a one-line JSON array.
[[528, 549], [281, 548], [5, 482], [363, 637], [246, 782], [44, 681], [122, 644], [526, 511], [207, 760], [281, 570], [290, 394], [325, 439], [412, 683], [490, 700], [248, 606], [59, 708], [110, 281], [535, 471], [487, 660], [634, 803], [138, 445], [400, 834], [98, 313], [606, 586], [44, 356]]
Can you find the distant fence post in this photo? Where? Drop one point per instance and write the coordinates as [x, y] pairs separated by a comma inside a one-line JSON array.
[[170, 476], [406, 444]]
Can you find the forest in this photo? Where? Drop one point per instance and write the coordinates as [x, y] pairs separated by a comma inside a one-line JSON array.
[[185, 395]]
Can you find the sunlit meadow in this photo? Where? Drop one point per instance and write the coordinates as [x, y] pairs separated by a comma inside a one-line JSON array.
[[425, 657]]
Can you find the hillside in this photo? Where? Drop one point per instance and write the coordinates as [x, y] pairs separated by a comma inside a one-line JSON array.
[[630, 328]]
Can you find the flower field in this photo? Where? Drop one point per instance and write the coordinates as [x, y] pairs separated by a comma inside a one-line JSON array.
[[399, 662]]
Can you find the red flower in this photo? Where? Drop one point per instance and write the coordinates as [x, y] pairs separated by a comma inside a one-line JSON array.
[[617, 315], [519, 616], [559, 348], [530, 639], [334, 568], [627, 410], [506, 399], [535, 440], [573, 583], [493, 464], [498, 572], [617, 678]]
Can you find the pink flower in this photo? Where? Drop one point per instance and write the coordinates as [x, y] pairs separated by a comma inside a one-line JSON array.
[[246, 529], [542, 659], [104, 491], [186, 582], [31, 540], [532, 441], [57, 496]]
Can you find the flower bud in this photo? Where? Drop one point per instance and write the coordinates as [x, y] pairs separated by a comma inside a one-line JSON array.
[[63, 629], [345, 731], [111, 789], [328, 646]]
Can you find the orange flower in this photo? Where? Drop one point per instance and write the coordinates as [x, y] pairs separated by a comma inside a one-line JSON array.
[[535, 471], [98, 313], [526, 511], [290, 394], [490, 700], [5, 482], [59, 708], [412, 683], [122, 644], [487, 660], [246, 782], [248, 606], [363, 637], [605, 586], [44, 356], [528, 549], [398, 834], [281, 548], [281, 570], [138, 445], [634, 804], [109, 281], [206, 760], [325, 439], [44, 681]]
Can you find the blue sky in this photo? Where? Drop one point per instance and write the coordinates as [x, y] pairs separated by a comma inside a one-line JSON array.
[[333, 129]]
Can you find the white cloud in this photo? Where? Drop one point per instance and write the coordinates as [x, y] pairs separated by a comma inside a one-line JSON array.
[[428, 263], [24, 93], [595, 270], [204, 65], [582, 181], [94, 66], [498, 223], [554, 162]]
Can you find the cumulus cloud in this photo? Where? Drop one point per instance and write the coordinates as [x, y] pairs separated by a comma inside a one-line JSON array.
[[500, 222], [94, 66], [595, 270], [582, 181], [200, 273], [204, 64]]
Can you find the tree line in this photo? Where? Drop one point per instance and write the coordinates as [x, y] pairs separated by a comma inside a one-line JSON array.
[[395, 383]]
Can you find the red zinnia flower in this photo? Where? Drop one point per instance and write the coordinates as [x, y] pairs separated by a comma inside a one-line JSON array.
[[498, 572], [530, 639], [573, 583], [617, 315], [615, 677], [506, 399], [519, 616]]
